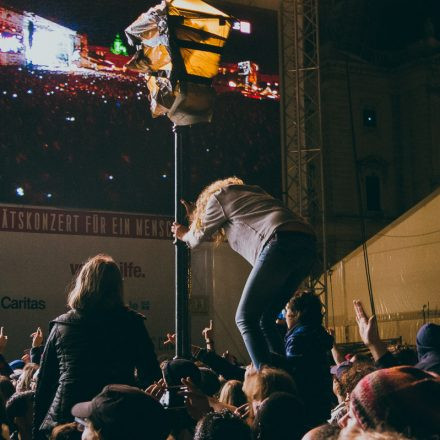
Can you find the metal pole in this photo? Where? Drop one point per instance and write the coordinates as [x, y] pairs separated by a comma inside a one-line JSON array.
[[322, 173], [283, 105], [181, 251]]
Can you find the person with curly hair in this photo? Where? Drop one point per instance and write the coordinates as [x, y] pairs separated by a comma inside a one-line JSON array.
[[307, 345], [280, 245], [222, 425]]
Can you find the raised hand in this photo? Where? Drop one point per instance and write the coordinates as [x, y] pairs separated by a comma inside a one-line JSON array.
[[369, 331], [156, 389], [197, 403], [230, 357], [3, 340], [208, 332], [171, 339], [37, 338], [338, 357], [243, 411]]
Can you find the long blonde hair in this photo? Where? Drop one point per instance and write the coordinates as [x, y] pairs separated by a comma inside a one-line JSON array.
[[232, 393], [97, 286], [261, 384], [202, 201], [24, 383]]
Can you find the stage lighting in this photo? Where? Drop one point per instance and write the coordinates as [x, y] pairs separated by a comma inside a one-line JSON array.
[[179, 46]]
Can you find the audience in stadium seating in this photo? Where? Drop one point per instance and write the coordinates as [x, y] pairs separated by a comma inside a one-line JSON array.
[[87, 140]]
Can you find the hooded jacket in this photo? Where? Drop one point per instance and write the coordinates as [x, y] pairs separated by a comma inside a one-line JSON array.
[[85, 352], [428, 350], [428, 347], [307, 348]]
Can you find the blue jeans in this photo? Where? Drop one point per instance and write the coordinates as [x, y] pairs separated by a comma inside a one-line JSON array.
[[281, 266]]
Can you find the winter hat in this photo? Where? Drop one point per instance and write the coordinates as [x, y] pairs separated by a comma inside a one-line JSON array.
[[404, 399], [17, 364], [428, 339], [177, 369], [125, 412], [338, 370]]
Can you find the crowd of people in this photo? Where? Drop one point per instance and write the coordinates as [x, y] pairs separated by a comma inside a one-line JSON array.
[[87, 140], [96, 377]]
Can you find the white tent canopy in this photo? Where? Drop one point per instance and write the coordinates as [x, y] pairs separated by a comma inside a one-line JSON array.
[[403, 261]]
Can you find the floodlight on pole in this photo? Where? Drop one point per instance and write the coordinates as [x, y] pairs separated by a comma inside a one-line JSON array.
[[179, 45]]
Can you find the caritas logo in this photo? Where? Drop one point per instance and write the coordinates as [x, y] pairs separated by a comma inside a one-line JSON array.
[[23, 303], [128, 269]]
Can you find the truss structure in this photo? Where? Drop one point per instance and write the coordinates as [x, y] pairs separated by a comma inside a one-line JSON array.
[[301, 133]]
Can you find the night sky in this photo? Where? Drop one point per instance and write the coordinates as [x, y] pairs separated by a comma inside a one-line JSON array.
[[377, 24], [383, 25]]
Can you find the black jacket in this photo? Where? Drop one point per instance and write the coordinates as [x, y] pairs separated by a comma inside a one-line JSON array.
[[307, 348], [86, 352], [220, 365]]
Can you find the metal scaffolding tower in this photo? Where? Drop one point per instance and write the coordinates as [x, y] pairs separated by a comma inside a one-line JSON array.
[[302, 164], [301, 133]]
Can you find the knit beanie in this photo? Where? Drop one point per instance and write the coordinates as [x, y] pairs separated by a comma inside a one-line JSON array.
[[404, 399], [428, 339], [17, 364]]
